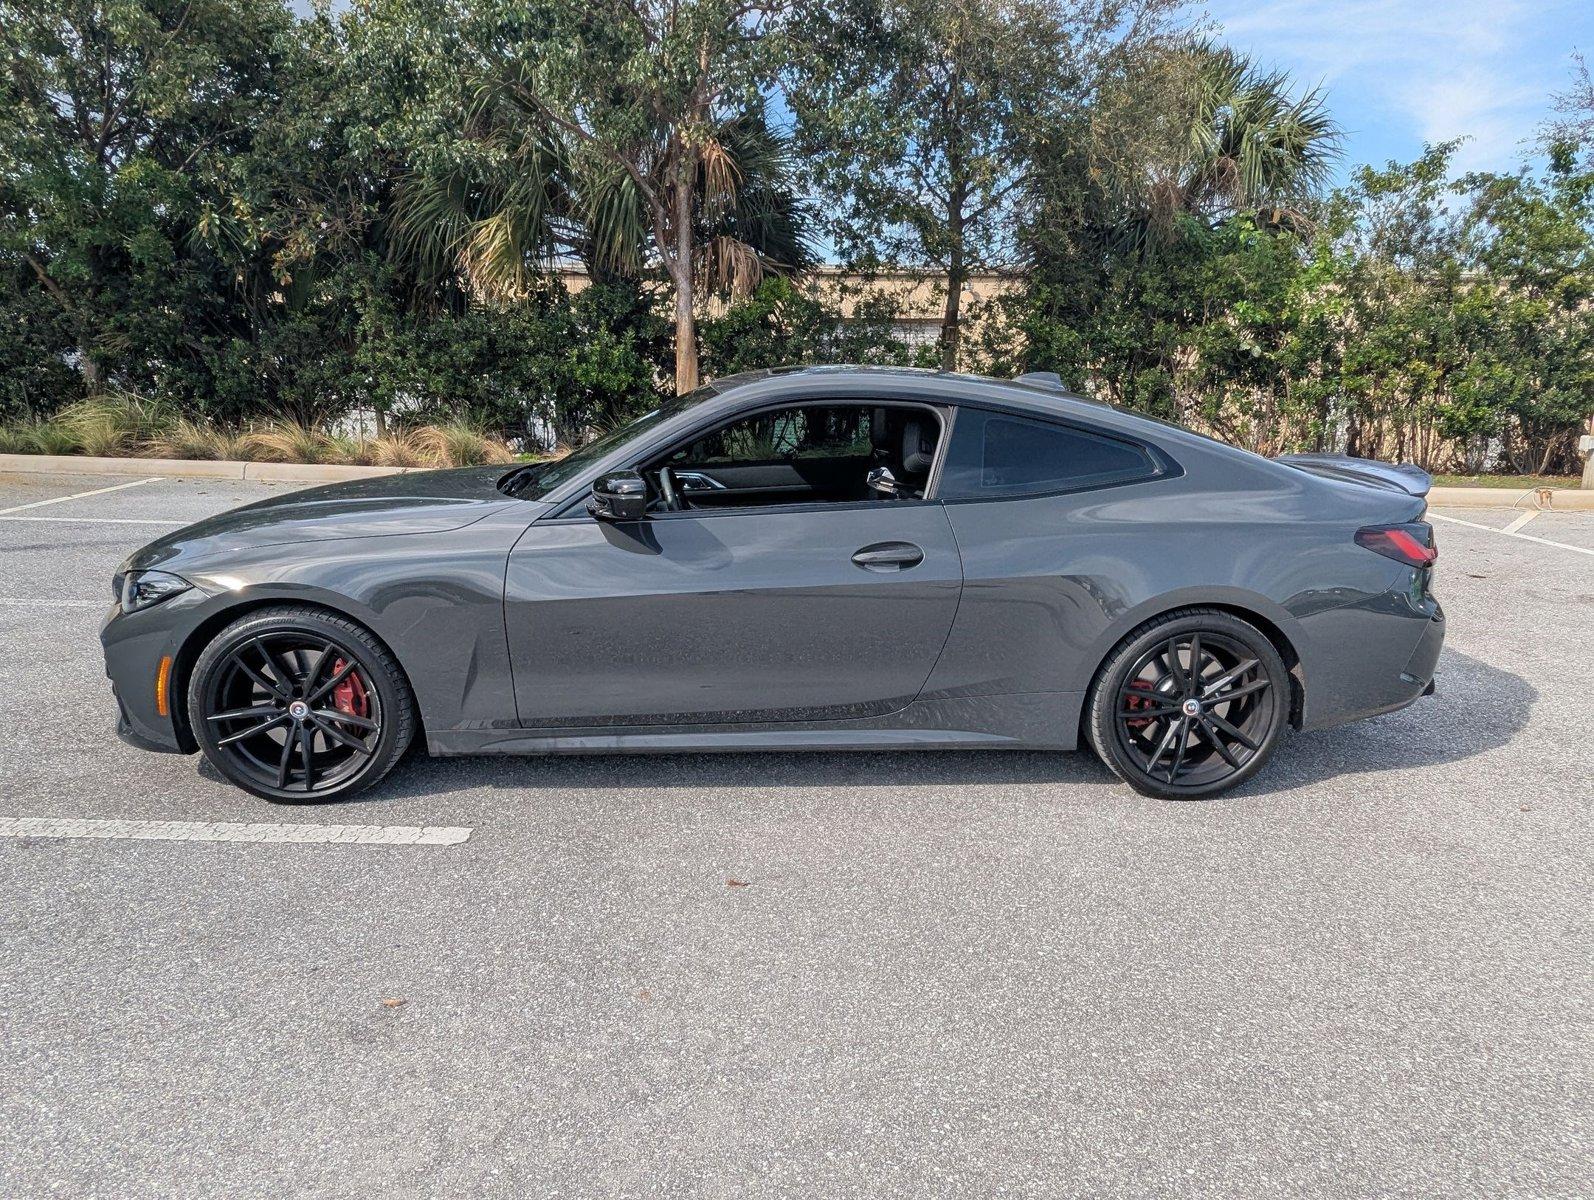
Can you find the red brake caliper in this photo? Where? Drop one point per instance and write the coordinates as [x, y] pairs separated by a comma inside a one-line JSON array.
[[350, 695], [1137, 703]]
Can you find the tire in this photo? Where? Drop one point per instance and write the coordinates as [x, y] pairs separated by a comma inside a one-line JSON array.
[[1175, 734], [300, 705]]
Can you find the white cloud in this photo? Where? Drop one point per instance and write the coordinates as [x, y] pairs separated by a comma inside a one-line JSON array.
[[1480, 69]]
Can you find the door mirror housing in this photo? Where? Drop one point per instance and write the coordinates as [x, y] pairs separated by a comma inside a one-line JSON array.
[[880, 479], [619, 496]]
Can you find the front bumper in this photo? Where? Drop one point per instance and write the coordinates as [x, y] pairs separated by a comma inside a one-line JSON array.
[[161, 741], [134, 645]]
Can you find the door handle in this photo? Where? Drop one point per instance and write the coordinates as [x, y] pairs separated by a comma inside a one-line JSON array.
[[889, 556]]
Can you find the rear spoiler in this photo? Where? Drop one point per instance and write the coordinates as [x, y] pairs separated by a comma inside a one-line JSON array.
[[1401, 477]]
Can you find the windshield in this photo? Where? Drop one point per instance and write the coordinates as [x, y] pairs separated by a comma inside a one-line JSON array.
[[535, 480]]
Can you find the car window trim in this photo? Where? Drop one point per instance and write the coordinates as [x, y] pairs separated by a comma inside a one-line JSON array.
[[574, 509], [1164, 464]]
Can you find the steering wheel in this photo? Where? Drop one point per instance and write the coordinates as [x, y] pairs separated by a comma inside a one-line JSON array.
[[672, 499]]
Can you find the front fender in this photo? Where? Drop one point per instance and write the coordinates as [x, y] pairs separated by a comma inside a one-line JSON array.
[[435, 601]]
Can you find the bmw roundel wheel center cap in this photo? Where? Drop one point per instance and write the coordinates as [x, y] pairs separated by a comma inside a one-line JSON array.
[[298, 710], [1191, 708]]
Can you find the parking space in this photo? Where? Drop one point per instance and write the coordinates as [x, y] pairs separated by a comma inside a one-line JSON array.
[[1575, 529], [906, 974], [107, 499]]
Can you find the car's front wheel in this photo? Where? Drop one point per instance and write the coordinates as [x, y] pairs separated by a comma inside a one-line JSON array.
[[1189, 704], [298, 704]]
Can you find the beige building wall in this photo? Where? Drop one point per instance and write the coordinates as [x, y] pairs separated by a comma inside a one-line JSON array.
[[919, 296]]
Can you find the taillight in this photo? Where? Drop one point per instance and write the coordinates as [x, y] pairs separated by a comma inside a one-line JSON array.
[[1410, 544]]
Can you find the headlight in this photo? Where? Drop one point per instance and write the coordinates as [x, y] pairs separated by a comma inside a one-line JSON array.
[[140, 589]]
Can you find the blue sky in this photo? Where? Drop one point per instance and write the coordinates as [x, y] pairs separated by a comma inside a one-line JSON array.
[[1403, 72]]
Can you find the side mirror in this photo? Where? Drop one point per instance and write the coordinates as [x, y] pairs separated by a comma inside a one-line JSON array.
[[619, 496], [881, 480]]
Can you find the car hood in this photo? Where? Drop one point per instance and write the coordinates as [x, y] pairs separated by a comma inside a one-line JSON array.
[[379, 506]]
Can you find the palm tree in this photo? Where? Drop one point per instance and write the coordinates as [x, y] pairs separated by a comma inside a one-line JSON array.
[[1239, 141], [525, 196]]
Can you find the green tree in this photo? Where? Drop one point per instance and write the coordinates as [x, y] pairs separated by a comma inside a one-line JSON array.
[[116, 117], [1238, 140], [924, 119], [653, 96], [1397, 279], [1529, 309]]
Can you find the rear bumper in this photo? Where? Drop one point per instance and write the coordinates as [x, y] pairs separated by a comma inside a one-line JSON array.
[[1371, 658], [1417, 680], [1420, 667]]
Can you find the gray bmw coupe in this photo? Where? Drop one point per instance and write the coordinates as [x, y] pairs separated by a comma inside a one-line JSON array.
[[819, 558]]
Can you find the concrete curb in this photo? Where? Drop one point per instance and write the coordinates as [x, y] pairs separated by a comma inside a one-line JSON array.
[[185, 468], [1561, 499]]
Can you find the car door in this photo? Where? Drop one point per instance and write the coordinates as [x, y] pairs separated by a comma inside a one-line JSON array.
[[794, 613]]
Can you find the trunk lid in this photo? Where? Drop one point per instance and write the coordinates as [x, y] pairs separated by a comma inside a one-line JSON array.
[[1395, 477]]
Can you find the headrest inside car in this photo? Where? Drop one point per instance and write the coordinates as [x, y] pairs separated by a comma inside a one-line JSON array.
[[918, 445]]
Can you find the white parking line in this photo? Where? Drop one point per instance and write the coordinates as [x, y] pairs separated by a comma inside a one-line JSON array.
[[1526, 537], [80, 495], [97, 520], [28, 602], [225, 831], [1521, 521]]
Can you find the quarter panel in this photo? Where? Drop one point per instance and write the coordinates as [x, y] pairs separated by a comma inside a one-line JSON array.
[[1052, 583]]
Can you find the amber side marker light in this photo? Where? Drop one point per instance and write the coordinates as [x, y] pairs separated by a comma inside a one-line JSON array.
[[163, 674]]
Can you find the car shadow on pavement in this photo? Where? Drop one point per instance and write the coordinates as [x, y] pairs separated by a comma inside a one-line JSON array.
[[637, 773], [1477, 708]]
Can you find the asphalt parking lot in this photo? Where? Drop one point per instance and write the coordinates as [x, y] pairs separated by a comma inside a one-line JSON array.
[[1366, 972]]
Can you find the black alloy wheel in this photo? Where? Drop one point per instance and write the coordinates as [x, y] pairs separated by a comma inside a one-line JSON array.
[[1189, 705], [299, 705]]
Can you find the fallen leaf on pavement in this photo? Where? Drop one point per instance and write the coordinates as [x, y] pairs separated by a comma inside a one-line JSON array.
[[394, 1002], [735, 883]]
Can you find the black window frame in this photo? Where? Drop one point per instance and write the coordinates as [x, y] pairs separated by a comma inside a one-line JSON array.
[[1162, 465], [574, 509]]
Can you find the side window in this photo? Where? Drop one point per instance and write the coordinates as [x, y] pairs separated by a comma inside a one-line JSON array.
[[785, 434], [998, 454], [835, 453]]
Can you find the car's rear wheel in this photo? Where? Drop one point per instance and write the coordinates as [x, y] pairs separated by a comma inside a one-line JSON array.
[[1189, 704], [299, 705]]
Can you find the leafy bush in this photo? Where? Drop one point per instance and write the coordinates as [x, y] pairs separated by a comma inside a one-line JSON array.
[[552, 368], [781, 324]]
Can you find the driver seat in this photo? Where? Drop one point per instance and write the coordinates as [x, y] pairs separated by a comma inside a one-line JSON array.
[[903, 444]]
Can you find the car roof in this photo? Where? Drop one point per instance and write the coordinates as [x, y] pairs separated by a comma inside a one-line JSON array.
[[1036, 393]]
